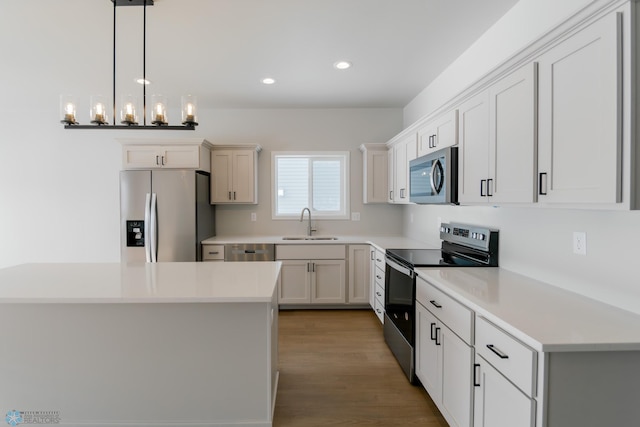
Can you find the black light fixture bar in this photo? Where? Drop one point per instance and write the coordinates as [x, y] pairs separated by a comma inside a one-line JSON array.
[[187, 126], [107, 127]]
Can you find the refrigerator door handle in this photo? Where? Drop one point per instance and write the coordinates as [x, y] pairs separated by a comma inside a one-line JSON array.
[[154, 227], [147, 227]]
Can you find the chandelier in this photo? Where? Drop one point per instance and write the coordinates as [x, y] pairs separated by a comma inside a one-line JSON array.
[[128, 115]]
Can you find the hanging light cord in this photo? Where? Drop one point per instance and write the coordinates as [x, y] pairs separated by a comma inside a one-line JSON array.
[[144, 64]]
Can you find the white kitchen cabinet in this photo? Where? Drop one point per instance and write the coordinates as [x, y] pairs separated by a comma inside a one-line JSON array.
[[146, 156], [404, 151], [444, 358], [497, 402], [312, 274], [391, 175], [359, 274], [234, 174], [497, 142], [377, 277], [579, 155], [473, 148], [438, 134], [375, 173], [505, 379]]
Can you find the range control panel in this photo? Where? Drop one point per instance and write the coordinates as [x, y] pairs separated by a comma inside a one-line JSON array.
[[468, 235]]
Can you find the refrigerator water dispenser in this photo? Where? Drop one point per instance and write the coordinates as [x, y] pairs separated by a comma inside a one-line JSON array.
[[135, 233]]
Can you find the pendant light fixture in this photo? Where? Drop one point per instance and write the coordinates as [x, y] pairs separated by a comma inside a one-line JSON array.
[[128, 115]]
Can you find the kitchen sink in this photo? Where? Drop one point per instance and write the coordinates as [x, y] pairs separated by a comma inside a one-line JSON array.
[[309, 238]]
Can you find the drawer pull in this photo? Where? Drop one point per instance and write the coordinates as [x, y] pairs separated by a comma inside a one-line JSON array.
[[379, 294], [379, 276], [433, 333], [437, 335], [435, 304], [378, 310], [476, 367], [214, 253], [497, 352]]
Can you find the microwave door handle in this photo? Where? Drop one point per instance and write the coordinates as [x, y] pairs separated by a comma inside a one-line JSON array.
[[436, 167]]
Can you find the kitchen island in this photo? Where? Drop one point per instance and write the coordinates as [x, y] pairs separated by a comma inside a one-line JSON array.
[[139, 344]]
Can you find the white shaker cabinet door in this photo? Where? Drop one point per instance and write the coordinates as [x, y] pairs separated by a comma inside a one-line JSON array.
[[512, 136], [498, 403], [473, 148], [579, 120]]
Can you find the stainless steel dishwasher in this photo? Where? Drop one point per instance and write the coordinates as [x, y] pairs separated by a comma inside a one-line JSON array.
[[249, 252]]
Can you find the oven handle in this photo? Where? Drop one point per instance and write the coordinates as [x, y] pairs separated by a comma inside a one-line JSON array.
[[401, 269]]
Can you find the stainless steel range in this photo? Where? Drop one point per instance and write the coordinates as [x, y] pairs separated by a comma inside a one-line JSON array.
[[463, 245]]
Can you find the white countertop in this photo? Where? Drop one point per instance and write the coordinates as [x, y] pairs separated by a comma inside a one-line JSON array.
[[381, 242], [545, 317], [140, 282]]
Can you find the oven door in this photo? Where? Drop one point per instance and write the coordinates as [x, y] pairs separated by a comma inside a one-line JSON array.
[[399, 297]]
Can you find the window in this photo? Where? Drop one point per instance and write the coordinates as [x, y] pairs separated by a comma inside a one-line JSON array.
[[314, 180]]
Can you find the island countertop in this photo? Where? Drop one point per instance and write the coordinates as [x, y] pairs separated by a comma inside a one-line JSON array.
[[139, 282]]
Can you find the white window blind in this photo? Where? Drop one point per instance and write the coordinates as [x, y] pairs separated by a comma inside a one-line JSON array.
[[318, 181]]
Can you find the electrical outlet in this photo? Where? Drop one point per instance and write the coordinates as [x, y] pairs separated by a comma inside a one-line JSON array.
[[579, 242], [254, 217], [355, 216]]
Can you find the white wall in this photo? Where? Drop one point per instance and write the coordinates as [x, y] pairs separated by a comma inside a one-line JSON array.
[[535, 242], [59, 189]]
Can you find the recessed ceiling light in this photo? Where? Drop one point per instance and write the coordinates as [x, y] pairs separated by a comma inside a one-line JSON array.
[[268, 81], [342, 65], [143, 81]]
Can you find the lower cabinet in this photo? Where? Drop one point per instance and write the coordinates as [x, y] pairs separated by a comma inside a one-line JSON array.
[[376, 282], [312, 282], [499, 403], [312, 274], [359, 274], [444, 366]]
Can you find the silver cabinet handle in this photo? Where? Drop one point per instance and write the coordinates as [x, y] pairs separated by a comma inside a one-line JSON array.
[[147, 227], [154, 227]]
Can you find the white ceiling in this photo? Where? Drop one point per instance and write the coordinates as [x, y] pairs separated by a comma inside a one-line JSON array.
[[220, 49]]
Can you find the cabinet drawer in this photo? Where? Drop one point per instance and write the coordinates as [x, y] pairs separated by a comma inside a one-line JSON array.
[[379, 292], [379, 260], [511, 357], [213, 252], [305, 251], [456, 316], [378, 307], [379, 277]]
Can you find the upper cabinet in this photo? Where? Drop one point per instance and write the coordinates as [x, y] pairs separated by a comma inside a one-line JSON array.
[[375, 173], [156, 154], [553, 126], [497, 142], [404, 150], [580, 134], [234, 174], [439, 133]]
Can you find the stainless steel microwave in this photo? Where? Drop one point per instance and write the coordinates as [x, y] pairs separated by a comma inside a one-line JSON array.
[[433, 178]]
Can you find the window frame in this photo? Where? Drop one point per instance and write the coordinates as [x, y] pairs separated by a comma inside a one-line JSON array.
[[344, 157]]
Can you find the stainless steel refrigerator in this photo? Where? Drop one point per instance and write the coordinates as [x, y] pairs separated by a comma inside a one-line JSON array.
[[164, 215]]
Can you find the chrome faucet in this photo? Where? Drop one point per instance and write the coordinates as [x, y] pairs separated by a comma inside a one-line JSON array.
[[309, 229]]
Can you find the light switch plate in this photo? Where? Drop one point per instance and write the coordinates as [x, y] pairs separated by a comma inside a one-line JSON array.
[[253, 216], [355, 216]]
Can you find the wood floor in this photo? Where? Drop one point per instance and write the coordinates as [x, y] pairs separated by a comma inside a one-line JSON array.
[[335, 369]]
